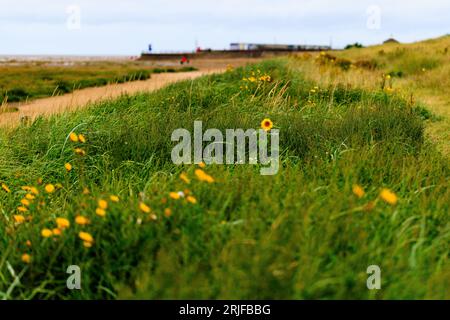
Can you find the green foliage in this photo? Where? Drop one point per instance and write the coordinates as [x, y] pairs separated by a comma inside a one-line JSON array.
[[300, 234]]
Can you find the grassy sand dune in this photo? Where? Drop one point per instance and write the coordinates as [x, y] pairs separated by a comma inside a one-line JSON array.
[[358, 186]]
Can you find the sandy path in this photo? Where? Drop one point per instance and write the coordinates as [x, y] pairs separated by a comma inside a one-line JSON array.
[[81, 98]]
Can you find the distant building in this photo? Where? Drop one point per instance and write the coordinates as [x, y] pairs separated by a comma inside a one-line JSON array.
[[275, 47], [390, 40]]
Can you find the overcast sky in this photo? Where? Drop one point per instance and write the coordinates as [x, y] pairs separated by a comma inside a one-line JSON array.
[[126, 27]]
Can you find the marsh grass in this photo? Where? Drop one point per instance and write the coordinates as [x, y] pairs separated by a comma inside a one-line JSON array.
[[301, 234]]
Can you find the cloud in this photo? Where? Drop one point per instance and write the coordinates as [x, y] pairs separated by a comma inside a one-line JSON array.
[[126, 27]]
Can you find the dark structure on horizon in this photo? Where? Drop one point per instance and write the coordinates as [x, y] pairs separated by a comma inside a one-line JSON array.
[[237, 50]]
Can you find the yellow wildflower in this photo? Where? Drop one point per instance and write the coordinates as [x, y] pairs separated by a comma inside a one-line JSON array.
[[56, 232], [174, 195], [153, 217], [73, 137], [81, 220], [28, 243], [266, 124], [191, 199], [388, 196], [25, 202], [144, 208], [167, 212], [114, 198], [46, 233], [5, 187], [203, 176], [100, 212], [29, 196], [358, 191], [185, 178], [26, 258], [80, 152], [86, 237], [34, 190], [62, 223], [18, 218], [81, 138], [49, 188], [22, 209], [102, 204], [68, 167], [202, 165], [87, 244]]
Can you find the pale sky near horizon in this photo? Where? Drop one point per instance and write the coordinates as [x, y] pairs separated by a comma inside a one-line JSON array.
[[126, 27]]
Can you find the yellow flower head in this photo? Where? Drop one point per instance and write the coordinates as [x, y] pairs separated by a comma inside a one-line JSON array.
[[5, 187], [144, 208], [81, 220], [167, 212], [203, 176], [56, 232], [68, 167], [102, 204], [185, 178], [80, 152], [73, 137], [49, 188], [266, 124], [86, 237], [34, 190], [62, 223], [22, 209], [358, 191], [18, 218], [114, 198], [28, 243], [81, 138], [87, 244], [100, 212], [46, 233], [191, 199], [174, 195], [26, 258], [388, 196], [25, 202], [30, 196], [202, 165]]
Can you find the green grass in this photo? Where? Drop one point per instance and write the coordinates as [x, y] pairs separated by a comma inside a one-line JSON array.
[[301, 234], [30, 81]]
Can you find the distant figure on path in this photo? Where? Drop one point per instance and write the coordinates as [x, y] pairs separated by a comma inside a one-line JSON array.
[[184, 60]]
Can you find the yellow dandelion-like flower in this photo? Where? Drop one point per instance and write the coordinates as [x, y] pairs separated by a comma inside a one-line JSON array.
[[28, 243], [46, 233], [5, 187], [100, 212], [86, 237], [358, 191], [34, 190], [203, 176], [81, 220], [25, 202], [18, 218], [114, 198], [22, 209], [153, 217], [184, 177], [202, 165], [68, 167], [30, 196], [81, 138], [388, 196], [388, 76], [174, 195], [62, 223], [167, 212], [87, 244], [102, 204], [144, 208], [266, 124], [191, 199], [73, 137], [26, 258], [49, 188], [56, 232], [80, 152]]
